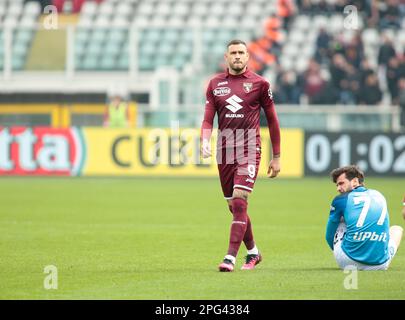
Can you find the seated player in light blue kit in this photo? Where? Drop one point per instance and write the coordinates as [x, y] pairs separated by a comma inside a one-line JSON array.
[[358, 228]]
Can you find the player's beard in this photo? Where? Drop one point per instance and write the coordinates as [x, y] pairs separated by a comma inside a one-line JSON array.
[[237, 67]]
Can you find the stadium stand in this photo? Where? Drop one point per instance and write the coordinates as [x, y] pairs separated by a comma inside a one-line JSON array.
[[163, 38], [305, 47], [21, 18], [167, 34]]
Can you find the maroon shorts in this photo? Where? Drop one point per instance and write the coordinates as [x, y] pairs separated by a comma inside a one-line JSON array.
[[238, 174]]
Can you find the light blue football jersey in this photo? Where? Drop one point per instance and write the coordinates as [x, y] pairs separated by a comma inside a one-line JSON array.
[[366, 216]]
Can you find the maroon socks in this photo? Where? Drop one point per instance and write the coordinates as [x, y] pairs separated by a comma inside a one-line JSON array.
[[239, 226], [248, 238]]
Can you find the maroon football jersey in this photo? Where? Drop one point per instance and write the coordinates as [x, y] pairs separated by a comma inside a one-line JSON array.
[[237, 100]]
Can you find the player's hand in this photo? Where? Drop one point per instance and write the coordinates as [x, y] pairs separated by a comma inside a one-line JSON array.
[[206, 149], [274, 168]]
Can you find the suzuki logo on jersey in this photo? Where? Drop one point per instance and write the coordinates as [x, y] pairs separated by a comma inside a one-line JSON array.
[[220, 92], [222, 83], [234, 106]]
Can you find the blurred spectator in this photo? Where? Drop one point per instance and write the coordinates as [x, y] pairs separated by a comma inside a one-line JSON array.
[[328, 7], [365, 70], [329, 94], [304, 6], [322, 46], [288, 90], [337, 44], [357, 43], [361, 5], [70, 6], [370, 92], [43, 3], [313, 83], [263, 50], [352, 56], [337, 70], [401, 61], [402, 9], [401, 98], [350, 77], [373, 21], [340, 5], [325, 8], [286, 10], [393, 75], [386, 51], [260, 57], [350, 87], [323, 40], [390, 15], [117, 112]]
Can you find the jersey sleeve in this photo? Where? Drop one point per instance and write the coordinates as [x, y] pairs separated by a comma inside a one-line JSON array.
[[337, 210], [269, 109], [209, 114]]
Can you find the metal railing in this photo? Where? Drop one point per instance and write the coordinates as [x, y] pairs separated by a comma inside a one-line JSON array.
[[190, 43], [333, 118]]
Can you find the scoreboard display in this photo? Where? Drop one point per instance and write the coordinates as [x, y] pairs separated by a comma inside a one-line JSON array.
[[375, 153]]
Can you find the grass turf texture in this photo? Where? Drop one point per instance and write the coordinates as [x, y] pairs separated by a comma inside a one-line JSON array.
[[163, 239]]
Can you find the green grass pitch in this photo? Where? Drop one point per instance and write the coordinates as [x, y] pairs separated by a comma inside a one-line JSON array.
[[149, 238]]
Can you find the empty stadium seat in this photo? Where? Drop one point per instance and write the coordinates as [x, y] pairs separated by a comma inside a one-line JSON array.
[[112, 49], [123, 62], [146, 63], [162, 35], [370, 36], [98, 36], [302, 22], [107, 63], [90, 62], [17, 62], [89, 9], [32, 9], [20, 17], [117, 35]]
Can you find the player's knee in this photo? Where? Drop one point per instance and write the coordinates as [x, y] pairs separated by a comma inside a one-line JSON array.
[[397, 230], [242, 194], [229, 201], [396, 234], [239, 206]]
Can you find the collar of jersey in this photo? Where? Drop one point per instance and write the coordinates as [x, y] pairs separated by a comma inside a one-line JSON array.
[[246, 74], [360, 188]]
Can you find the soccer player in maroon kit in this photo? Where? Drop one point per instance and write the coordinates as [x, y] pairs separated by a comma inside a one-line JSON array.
[[236, 96]]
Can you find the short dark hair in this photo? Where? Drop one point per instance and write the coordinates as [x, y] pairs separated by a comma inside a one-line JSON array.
[[351, 171], [236, 41]]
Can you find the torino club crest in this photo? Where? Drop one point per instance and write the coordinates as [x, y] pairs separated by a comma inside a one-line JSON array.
[[247, 86]]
